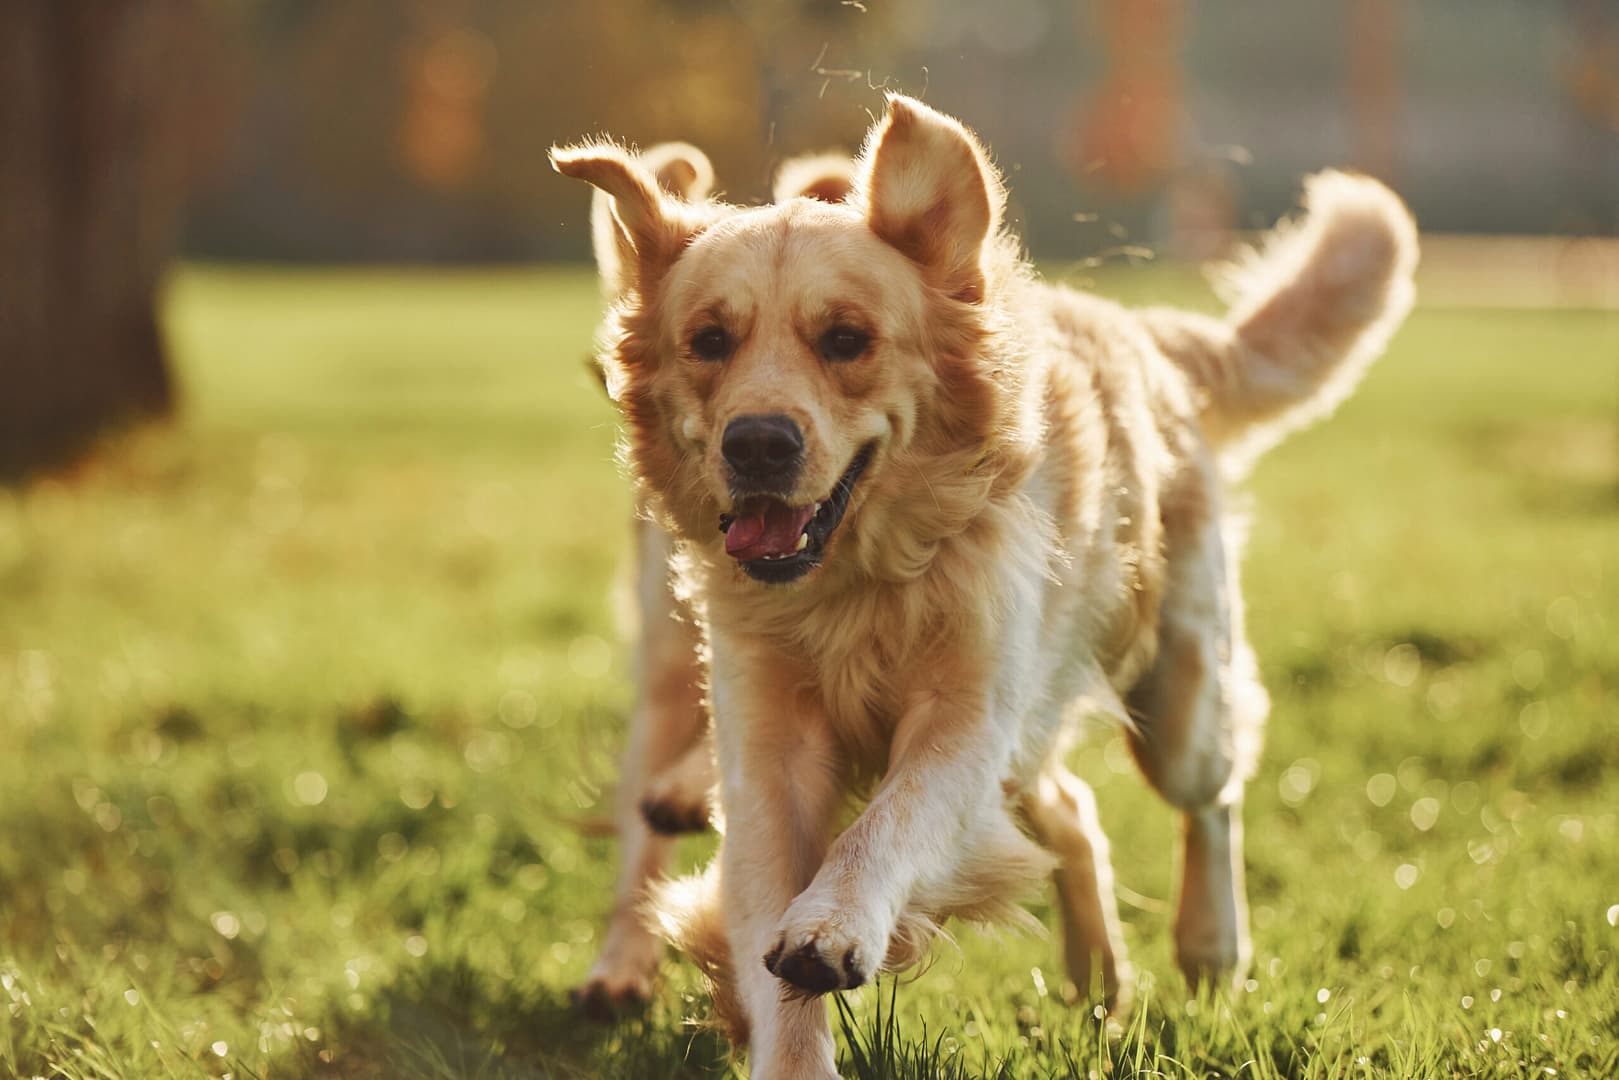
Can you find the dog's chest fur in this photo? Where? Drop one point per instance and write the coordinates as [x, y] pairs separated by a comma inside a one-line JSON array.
[[1052, 584]]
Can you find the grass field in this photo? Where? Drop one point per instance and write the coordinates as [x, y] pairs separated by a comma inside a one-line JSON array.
[[308, 708]]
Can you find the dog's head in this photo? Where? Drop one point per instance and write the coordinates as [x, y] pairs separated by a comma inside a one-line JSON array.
[[790, 371]]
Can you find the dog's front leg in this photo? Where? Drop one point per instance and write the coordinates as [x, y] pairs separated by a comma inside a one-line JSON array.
[[935, 837], [779, 787]]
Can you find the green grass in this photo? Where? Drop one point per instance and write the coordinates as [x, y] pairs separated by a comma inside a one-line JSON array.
[[307, 707]]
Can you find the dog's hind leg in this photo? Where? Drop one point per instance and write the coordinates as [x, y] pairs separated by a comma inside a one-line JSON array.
[[668, 720], [1198, 712], [1062, 813]]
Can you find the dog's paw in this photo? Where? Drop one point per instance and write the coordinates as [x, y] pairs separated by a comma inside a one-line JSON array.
[[676, 800], [620, 981], [669, 815], [1210, 954], [607, 996], [817, 954]]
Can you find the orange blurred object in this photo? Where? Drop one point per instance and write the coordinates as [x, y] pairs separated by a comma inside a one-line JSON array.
[[441, 136], [1128, 129]]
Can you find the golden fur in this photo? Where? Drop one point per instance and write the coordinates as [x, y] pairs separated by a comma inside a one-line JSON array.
[[1040, 531], [667, 772]]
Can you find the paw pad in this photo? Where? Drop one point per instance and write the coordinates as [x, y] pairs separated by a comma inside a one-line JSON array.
[[806, 970]]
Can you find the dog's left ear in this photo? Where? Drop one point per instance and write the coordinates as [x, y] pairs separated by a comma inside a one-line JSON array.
[[642, 228], [681, 169], [931, 192]]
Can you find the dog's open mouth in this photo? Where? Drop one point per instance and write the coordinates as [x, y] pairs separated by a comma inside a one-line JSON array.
[[775, 542]]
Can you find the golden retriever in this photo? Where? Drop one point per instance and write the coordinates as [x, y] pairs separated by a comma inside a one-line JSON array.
[[667, 771], [928, 509]]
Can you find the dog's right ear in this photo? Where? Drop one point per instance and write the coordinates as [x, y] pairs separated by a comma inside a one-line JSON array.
[[639, 231], [827, 177], [681, 170]]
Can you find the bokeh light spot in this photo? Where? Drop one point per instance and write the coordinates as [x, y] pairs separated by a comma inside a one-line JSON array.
[[1534, 718], [1424, 813], [1528, 668], [309, 788], [589, 656], [1380, 789], [1298, 780], [517, 709], [1562, 617], [1402, 664]]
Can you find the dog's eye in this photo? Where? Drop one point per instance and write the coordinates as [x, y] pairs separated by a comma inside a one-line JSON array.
[[711, 344], [843, 343]]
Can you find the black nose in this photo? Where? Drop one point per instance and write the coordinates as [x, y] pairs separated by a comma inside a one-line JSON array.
[[762, 448]]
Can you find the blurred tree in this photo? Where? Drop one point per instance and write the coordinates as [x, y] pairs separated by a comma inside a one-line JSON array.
[[1130, 127], [93, 106], [448, 69]]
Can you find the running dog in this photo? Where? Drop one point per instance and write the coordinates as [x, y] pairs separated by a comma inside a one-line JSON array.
[[926, 510]]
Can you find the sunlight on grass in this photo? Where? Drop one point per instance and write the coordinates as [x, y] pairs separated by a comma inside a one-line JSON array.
[[309, 704]]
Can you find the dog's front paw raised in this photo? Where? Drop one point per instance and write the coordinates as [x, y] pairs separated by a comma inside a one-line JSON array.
[[819, 954], [814, 969]]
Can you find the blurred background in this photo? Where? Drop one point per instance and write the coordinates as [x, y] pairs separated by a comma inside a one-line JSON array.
[[418, 130], [311, 699], [376, 131]]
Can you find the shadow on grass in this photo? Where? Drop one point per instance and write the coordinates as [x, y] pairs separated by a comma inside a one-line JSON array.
[[455, 1023]]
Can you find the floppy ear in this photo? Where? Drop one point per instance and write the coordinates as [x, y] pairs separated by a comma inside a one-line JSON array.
[[932, 193], [827, 177], [680, 169], [637, 232]]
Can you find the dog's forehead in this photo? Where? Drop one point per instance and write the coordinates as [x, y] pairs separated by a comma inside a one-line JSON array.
[[799, 252]]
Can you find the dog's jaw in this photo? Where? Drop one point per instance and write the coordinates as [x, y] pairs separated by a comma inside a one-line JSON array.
[[825, 518]]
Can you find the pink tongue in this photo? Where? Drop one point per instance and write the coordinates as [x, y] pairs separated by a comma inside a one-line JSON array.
[[766, 527]]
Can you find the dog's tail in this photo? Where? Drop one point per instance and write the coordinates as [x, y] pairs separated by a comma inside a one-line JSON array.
[[1310, 310]]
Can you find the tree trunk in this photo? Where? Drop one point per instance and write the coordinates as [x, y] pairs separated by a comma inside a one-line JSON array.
[[93, 162]]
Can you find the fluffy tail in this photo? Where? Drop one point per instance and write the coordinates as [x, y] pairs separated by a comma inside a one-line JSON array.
[[1310, 310]]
